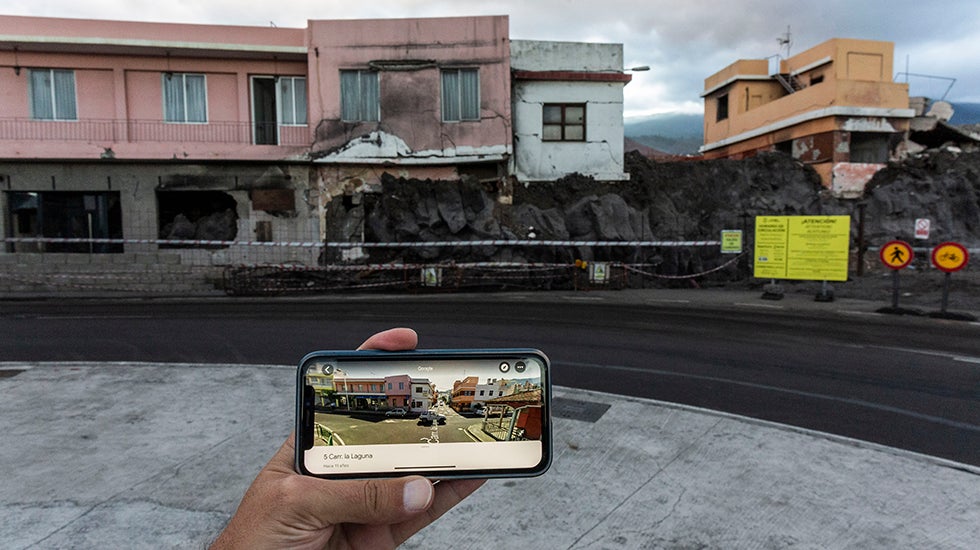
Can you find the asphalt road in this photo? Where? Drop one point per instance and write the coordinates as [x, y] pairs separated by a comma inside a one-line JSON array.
[[370, 429], [904, 382]]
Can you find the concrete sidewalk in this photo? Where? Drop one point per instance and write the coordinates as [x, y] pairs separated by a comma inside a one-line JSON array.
[[158, 456]]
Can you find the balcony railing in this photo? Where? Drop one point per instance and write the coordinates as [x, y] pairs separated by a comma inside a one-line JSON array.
[[134, 131]]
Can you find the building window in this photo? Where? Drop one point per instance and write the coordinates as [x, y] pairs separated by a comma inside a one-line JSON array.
[[868, 147], [360, 97], [292, 100], [389, 385], [52, 94], [460, 95], [418, 389], [722, 108], [65, 215], [194, 216], [184, 98], [564, 122], [401, 385]]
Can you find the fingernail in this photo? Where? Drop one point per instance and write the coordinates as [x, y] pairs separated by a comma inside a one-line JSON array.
[[417, 495]]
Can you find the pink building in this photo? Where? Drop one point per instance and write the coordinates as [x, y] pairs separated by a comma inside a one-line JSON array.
[[425, 92], [85, 89], [186, 133], [157, 137], [398, 391]]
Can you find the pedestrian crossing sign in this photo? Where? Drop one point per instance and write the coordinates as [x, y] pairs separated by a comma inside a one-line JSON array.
[[896, 254]]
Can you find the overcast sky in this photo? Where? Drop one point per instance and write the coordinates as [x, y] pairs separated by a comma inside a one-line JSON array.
[[682, 41]]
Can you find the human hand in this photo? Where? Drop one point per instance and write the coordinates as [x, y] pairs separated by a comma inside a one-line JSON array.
[[283, 509]]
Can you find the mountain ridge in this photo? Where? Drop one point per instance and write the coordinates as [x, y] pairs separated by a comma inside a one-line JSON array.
[[683, 133]]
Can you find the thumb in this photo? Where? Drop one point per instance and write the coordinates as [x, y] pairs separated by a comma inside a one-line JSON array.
[[371, 501]]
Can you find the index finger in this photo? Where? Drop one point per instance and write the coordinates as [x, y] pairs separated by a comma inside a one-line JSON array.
[[396, 339]]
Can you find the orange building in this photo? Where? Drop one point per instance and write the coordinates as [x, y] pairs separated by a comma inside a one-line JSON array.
[[463, 392], [834, 107]]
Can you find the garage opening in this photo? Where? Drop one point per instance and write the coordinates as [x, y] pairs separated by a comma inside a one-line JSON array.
[[869, 147], [196, 216]]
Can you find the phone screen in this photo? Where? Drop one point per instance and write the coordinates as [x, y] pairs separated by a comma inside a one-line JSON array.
[[442, 413]]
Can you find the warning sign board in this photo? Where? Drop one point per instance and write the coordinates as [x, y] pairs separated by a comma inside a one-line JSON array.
[[431, 276], [731, 241], [599, 272], [810, 248], [950, 257], [896, 254], [922, 228]]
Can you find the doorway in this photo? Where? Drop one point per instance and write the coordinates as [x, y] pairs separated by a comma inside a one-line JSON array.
[[264, 109]]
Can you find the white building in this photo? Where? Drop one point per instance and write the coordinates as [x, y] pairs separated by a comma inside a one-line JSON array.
[[493, 388], [423, 394], [567, 110]]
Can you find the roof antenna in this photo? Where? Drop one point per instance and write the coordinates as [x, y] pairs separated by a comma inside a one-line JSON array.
[[786, 41]]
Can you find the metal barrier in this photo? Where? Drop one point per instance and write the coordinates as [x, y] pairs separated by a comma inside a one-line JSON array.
[[239, 277]]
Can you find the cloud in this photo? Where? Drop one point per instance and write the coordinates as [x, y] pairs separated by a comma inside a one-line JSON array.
[[682, 41]]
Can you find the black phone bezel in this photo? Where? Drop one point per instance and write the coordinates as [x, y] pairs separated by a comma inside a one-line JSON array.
[[303, 403]]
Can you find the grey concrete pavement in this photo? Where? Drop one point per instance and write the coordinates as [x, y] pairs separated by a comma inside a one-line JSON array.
[[158, 456]]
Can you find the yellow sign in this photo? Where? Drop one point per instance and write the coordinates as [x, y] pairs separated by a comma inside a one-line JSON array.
[[896, 254], [731, 241], [950, 257], [809, 248]]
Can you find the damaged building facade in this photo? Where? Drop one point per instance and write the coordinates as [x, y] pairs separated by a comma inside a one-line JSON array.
[[833, 107], [203, 142], [568, 110], [162, 136]]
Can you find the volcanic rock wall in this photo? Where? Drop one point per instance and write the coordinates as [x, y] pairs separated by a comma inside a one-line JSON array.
[[661, 201]]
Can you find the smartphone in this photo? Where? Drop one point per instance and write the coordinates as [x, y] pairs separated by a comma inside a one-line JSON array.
[[439, 413]]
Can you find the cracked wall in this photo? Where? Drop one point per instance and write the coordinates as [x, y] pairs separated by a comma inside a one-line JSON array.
[[600, 155], [409, 57]]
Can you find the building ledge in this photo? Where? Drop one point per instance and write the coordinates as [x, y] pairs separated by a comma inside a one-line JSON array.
[[808, 116], [412, 161], [378, 148], [734, 79], [573, 76]]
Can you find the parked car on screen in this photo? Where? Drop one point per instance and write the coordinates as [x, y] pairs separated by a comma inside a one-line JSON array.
[[399, 412], [428, 417]]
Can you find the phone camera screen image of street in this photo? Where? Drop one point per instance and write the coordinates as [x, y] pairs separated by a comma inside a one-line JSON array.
[[452, 416]]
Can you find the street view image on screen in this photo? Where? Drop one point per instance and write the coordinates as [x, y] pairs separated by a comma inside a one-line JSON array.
[[437, 415]]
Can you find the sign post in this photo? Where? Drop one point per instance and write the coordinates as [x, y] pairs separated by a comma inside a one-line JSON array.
[[896, 255], [949, 257]]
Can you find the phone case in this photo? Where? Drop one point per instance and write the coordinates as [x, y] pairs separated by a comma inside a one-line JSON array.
[[445, 414]]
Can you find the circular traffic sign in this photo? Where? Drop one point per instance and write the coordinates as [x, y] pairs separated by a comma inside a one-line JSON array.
[[950, 257], [896, 254]]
